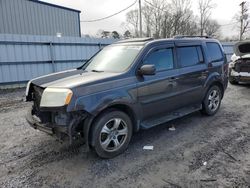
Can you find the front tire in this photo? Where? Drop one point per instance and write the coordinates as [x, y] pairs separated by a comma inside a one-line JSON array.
[[111, 133], [231, 79], [212, 101]]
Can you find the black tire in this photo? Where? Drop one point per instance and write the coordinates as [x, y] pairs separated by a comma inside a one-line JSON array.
[[231, 79], [100, 137], [209, 101]]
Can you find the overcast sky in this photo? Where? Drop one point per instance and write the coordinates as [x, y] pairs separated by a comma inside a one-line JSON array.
[[94, 9]]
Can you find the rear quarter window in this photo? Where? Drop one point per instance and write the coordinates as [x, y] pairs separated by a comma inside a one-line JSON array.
[[214, 52]]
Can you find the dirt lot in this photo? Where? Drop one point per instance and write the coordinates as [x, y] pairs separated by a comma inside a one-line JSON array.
[[202, 152]]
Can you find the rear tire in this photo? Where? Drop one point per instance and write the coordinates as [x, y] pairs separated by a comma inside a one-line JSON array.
[[212, 101], [111, 133]]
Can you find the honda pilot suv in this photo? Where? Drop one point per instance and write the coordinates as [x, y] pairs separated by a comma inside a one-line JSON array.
[[127, 86]]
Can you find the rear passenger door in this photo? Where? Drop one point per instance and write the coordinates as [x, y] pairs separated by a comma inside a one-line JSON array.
[[192, 73]]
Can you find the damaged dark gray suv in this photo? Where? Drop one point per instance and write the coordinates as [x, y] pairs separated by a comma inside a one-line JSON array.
[[130, 85]]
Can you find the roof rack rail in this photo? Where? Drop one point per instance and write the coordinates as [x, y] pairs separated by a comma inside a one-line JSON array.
[[191, 36], [135, 40]]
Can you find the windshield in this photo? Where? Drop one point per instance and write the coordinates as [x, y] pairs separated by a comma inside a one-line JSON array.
[[114, 58]]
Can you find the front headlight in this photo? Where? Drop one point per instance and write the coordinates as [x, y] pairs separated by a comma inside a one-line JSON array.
[[56, 97]]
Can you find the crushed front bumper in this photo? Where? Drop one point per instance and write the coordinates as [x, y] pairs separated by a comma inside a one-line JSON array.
[[57, 130], [44, 127], [240, 76]]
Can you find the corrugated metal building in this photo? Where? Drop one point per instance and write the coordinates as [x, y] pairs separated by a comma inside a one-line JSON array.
[[33, 17], [23, 57]]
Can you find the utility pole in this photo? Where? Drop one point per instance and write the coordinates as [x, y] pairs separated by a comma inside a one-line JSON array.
[[242, 18], [140, 17]]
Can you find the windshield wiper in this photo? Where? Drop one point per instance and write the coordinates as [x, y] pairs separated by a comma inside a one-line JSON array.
[[96, 71]]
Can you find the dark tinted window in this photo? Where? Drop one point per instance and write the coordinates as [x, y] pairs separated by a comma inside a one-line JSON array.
[[214, 51], [189, 56], [162, 59]]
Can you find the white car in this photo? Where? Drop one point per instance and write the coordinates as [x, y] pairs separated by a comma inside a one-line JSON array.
[[239, 68]]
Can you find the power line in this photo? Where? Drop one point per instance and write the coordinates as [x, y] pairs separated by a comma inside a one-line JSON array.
[[100, 19]]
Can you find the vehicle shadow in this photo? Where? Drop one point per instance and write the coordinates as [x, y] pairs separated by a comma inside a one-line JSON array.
[[57, 151], [245, 85]]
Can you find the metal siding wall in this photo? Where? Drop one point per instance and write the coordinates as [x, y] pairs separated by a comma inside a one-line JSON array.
[[20, 61], [228, 48], [23, 57], [28, 17]]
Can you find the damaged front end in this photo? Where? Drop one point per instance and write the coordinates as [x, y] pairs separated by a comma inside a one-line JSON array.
[[55, 121], [239, 68]]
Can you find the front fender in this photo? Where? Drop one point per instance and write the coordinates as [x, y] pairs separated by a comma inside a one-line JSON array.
[[95, 103]]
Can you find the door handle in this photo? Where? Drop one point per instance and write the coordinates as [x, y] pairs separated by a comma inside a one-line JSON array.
[[172, 79], [205, 72]]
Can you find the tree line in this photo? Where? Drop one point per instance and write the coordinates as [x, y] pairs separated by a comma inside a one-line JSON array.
[[164, 19], [168, 18]]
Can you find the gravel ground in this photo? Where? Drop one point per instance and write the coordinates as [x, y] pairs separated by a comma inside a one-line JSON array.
[[202, 151]]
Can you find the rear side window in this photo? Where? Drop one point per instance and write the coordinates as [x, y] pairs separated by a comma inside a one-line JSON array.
[[214, 52], [162, 59], [189, 56]]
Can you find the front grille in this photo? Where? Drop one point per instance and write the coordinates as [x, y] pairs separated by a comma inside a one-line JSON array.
[[45, 117], [243, 66], [37, 95]]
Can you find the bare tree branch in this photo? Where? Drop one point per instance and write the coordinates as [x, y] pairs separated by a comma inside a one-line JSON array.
[[205, 8]]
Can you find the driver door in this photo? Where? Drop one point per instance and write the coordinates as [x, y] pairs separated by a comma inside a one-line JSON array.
[[156, 93]]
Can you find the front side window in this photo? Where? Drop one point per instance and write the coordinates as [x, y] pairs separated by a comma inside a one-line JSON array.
[[162, 59], [214, 51], [114, 58], [189, 56]]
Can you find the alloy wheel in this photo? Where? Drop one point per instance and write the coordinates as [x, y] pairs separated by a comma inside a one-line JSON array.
[[213, 100], [113, 134]]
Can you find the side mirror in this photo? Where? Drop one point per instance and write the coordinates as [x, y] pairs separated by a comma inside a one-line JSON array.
[[147, 70]]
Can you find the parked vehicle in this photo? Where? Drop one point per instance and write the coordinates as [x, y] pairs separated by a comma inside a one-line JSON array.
[[239, 68], [130, 85]]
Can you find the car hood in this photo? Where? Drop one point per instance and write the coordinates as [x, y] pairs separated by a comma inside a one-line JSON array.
[[71, 78], [242, 48]]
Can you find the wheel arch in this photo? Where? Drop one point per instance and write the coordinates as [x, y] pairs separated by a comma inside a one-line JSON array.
[[124, 108], [214, 79], [220, 85], [120, 107]]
